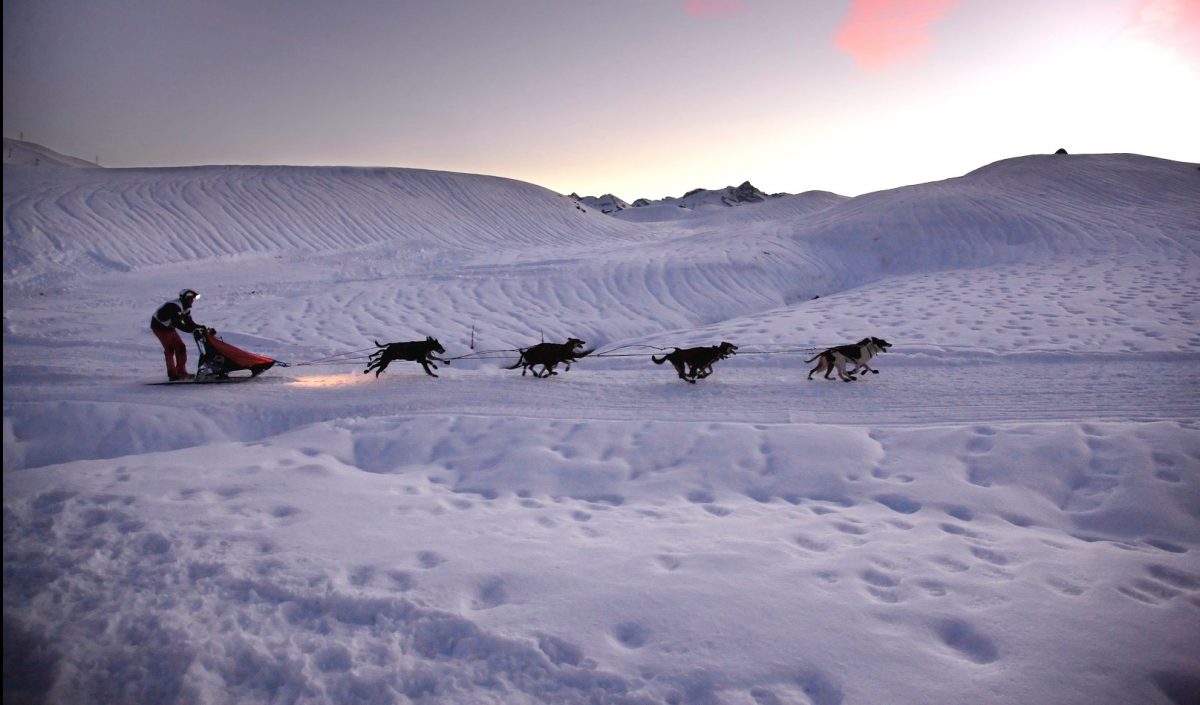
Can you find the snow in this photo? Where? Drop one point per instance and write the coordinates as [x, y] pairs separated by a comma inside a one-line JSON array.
[[1008, 513]]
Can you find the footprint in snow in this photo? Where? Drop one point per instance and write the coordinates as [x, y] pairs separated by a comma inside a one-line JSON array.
[[899, 503], [631, 635], [491, 593], [362, 575], [966, 640], [1065, 587], [429, 559], [810, 544], [668, 562]]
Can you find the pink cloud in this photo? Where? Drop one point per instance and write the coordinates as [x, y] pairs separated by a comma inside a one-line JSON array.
[[880, 33], [712, 8], [1170, 23]]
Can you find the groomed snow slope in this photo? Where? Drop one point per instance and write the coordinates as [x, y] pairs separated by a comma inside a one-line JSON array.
[[67, 223], [1008, 513]]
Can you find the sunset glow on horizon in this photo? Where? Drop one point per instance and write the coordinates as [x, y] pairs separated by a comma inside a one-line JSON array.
[[639, 98]]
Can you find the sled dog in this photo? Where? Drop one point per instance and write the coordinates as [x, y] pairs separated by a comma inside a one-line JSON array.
[[860, 354], [549, 355], [696, 363], [422, 351]]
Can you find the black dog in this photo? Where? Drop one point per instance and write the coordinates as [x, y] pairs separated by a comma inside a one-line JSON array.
[[860, 354], [696, 363], [422, 351], [549, 355]]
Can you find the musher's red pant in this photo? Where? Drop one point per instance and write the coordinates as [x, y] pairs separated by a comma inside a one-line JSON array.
[[174, 350]]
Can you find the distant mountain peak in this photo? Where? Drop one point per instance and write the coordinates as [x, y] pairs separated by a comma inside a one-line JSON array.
[[607, 203], [729, 196], [747, 193]]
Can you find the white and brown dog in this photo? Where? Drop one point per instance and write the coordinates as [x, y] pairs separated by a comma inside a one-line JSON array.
[[860, 354]]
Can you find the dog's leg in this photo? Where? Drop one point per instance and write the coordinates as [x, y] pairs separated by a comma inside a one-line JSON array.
[[841, 370], [679, 370], [428, 371]]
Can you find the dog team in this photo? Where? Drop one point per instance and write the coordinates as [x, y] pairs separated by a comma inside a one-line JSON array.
[[690, 364]]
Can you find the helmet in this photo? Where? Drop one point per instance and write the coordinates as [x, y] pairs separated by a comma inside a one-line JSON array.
[[185, 293]]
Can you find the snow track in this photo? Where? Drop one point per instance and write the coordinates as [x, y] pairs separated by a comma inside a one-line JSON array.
[[908, 392]]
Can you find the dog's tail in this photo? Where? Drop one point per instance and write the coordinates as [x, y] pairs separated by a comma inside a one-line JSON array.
[[664, 357], [520, 361], [814, 357]]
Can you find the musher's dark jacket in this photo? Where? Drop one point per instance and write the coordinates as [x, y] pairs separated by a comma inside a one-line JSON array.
[[172, 315]]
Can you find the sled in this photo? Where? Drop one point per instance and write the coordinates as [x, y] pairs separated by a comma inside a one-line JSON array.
[[218, 359]]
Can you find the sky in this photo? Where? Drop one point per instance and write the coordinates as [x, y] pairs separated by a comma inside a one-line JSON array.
[[639, 98]]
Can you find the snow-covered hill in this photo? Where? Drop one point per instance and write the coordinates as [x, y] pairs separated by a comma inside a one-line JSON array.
[[82, 222], [20, 153], [1009, 512]]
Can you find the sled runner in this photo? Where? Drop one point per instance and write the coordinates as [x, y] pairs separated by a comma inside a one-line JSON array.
[[211, 380]]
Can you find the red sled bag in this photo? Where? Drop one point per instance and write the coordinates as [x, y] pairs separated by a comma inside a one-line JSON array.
[[218, 358]]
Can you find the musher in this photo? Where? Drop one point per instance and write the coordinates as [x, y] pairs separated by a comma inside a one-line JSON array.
[[173, 316]]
